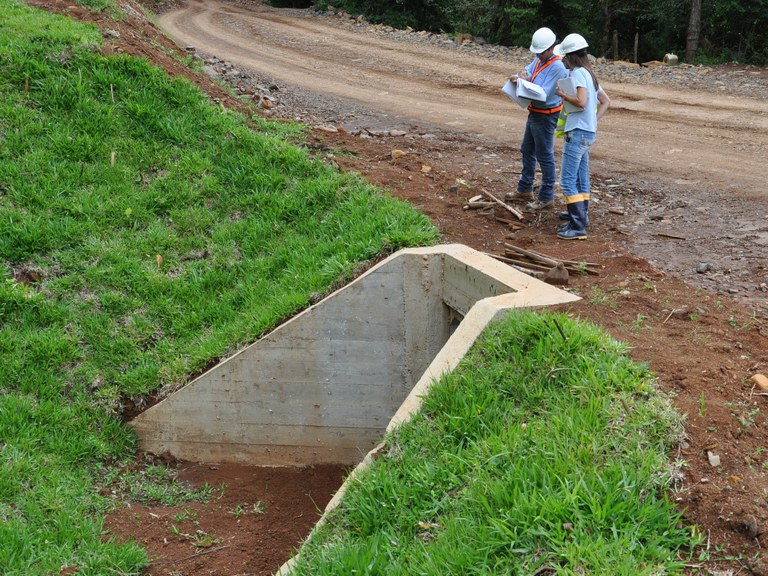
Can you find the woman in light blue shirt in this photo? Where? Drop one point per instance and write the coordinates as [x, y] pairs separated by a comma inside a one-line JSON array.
[[580, 133]]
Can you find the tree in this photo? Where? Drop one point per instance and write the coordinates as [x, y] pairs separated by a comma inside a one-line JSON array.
[[694, 31]]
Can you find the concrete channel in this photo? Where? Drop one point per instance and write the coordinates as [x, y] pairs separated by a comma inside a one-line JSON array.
[[325, 386]]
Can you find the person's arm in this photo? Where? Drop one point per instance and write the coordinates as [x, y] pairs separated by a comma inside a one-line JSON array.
[[603, 103], [525, 74], [580, 100]]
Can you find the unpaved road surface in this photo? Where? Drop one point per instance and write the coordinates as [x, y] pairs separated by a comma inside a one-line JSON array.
[[701, 151]]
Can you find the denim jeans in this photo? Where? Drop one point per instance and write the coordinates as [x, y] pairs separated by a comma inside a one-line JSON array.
[[538, 146], [574, 172]]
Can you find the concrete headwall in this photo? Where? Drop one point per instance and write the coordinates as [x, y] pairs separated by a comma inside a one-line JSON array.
[[324, 386]]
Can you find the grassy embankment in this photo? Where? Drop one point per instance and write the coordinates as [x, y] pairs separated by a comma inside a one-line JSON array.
[[541, 454], [143, 233]]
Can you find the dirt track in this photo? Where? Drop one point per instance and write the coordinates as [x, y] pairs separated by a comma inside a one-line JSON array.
[[704, 139], [702, 150]]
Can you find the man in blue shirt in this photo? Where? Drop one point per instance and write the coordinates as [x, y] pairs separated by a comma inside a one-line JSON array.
[[539, 138]]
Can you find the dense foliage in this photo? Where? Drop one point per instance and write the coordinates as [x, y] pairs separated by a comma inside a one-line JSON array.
[[730, 30]]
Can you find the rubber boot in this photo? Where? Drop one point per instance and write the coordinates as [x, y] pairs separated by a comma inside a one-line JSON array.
[[576, 227], [564, 215]]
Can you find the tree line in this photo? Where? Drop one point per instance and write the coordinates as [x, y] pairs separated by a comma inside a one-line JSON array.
[[698, 31]]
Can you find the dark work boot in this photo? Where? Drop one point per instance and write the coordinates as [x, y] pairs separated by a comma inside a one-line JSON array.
[[576, 226], [567, 217]]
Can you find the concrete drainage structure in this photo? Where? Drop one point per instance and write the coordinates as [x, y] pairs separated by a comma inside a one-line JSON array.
[[326, 385]]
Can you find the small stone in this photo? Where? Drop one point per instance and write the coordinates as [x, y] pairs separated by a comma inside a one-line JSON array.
[[714, 459], [558, 275], [760, 380]]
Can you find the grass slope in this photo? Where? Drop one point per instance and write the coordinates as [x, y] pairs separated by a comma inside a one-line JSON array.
[[539, 454], [145, 233]]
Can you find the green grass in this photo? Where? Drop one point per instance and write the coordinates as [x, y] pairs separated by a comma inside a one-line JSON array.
[[161, 234], [536, 453]]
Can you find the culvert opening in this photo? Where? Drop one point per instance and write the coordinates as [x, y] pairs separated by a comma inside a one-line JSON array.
[[323, 388]]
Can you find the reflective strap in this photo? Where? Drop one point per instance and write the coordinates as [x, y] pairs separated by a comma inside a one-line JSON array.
[[573, 198], [537, 68], [554, 110]]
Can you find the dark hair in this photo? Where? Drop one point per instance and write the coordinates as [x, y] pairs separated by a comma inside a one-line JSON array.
[[579, 59]]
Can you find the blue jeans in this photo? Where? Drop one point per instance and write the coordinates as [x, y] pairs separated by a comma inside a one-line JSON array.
[[539, 146], [574, 172]]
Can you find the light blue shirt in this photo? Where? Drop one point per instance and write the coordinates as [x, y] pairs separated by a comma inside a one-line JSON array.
[[584, 119], [547, 79]]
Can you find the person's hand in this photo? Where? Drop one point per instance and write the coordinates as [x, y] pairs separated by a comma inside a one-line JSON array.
[[560, 92], [513, 78], [524, 75]]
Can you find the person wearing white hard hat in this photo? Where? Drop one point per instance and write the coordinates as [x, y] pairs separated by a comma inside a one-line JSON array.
[[580, 132], [538, 146]]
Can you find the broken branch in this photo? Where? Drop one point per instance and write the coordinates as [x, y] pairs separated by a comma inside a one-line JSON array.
[[517, 213]]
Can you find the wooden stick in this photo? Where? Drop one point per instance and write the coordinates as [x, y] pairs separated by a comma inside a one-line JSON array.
[[524, 269], [209, 551], [530, 265], [532, 255], [582, 263], [663, 235], [575, 268], [575, 265], [517, 213]]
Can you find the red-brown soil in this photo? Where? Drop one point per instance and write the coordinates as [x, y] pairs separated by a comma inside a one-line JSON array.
[[703, 339]]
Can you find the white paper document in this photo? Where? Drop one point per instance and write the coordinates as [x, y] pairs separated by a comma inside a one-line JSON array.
[[524, 92], [511, 90], [568, 86], [530, 91]]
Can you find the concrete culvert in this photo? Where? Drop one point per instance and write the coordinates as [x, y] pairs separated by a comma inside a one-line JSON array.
[[323, 387]]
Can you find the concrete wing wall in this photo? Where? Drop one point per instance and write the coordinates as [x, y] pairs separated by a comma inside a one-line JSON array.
[[322, 387]]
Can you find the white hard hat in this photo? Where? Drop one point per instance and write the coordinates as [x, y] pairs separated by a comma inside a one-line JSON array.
[[542, 39], [571, 43]]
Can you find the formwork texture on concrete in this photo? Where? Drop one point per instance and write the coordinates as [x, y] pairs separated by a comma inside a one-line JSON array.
[[325, 386]]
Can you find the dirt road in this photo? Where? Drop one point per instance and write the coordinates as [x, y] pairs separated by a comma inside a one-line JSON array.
[[704, 139], [704, 150]]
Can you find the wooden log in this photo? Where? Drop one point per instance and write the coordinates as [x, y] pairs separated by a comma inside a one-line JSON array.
[[473, 205]]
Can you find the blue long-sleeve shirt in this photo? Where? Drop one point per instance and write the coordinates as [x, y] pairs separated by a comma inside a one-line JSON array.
[[549, 73]]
